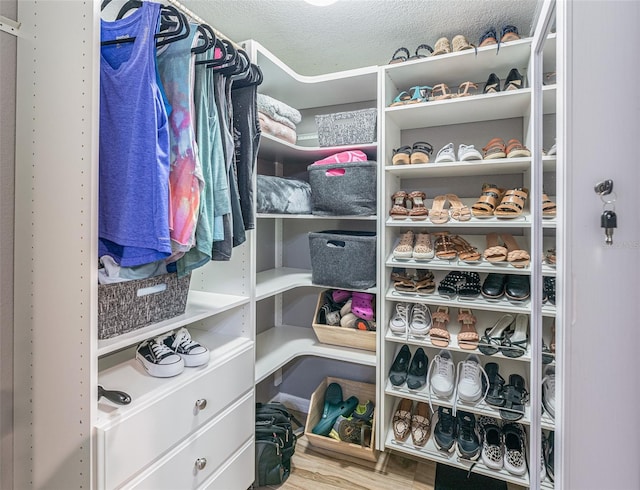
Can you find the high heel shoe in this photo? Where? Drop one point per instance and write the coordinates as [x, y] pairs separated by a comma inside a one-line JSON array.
[[515, 343], [418, 211], [399, 207], [492, 338]]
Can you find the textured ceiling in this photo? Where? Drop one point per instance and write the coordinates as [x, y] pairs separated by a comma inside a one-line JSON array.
[[354, 33]]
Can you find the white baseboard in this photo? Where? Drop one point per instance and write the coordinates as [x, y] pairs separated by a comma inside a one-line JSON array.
[[296, 403]]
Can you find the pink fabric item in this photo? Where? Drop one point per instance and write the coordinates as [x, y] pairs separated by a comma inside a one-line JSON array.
[[277, 129], [343, 157]]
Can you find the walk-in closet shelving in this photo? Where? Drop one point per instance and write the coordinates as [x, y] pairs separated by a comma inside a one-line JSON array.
[[285, 294], [466, 120]]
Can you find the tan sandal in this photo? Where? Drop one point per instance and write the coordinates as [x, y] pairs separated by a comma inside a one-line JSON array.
[[516, 256], [442, 46], [441, 92], [458, 211], [494, 252], [460, 43], [551, 257], [494, 149], [466, 252], [439, 334], [488, 201], [399, 208], [548, 207], [467, 89], [418, 211], [445, 248], [424, 282], [468, 336], [512, 203], [515, 149], [438, 214]]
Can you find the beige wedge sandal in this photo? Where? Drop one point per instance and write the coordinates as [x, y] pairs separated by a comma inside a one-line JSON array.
[[458, 211], [438, 214], [512, 203]]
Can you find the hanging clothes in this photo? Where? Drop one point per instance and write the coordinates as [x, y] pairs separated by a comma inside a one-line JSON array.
[[133, 224]]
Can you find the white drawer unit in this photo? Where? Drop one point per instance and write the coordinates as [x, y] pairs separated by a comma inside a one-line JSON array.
[[199, 456], [138, 435], [235, 474]]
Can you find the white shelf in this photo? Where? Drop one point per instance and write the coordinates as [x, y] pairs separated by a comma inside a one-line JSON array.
[[431, 452], [279, 345], [498, 166], [547, 422], [272, 148], [454, 68], [548, 310], [304, 92], [523, 221], [144, 389], [315, 217], [200, 305], [549, 99], [485, 107]]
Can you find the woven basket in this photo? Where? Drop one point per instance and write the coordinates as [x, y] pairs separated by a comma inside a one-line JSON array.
[[130, 305]]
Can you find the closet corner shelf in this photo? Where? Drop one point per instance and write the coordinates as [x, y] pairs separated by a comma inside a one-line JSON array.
[[145, 390], [304, 92], [200, 305], [278, 345], [430, 451], [478, 167], [373, 217], [277, 150]]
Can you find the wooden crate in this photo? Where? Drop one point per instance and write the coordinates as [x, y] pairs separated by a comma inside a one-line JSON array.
[[346, 337], [327, 445]]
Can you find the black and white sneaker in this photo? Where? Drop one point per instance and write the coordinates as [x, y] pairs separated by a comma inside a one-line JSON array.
[[158, 359], [468, 441], [192, 353], [492, 446], [444, 432], [515, 461]]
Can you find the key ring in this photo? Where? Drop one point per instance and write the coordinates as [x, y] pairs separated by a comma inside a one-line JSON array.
[[613, 197]]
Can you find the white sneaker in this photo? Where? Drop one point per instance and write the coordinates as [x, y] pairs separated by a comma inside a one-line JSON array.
[[400, 319], [420, 322], [446, 154], [468, 152], [158, 359], [470, 379], [441, 379], [192, 353], [549, 390]]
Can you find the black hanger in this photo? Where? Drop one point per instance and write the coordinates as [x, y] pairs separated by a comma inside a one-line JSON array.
[[252, 78], [225, 57], [209, 36]]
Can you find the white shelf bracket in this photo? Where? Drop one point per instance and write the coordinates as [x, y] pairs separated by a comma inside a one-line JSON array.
[[10, 26], [277, 377]]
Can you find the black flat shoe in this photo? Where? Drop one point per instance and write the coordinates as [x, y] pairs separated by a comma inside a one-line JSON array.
[[400, 366], [495, 395], [493, 286], [517, 287], [513, 81], [417, 376], [493, 84]]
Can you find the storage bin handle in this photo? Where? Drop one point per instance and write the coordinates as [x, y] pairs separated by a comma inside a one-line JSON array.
[[335, 172], [336, 243], [158, 288]]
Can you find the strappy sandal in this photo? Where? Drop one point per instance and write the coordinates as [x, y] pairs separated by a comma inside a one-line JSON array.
[[438, 214], [401, 156], [516, 256], [423, 249], [550, 257], [466, 252], [492, 338], [515, 395], [420, 94], [439, 334], [495, 394], [442, 46], [458, 211], [397, 56], [418, 211], [448, 287], [401, 99], [424, 282], [445, 249], [548, 207], [494, 253], [402, 282], [514, 344], [466, 89], [441, 92], [515, 149], [494, 149], [420, 152], [422, 47], [404, 249], [470, 286], [512, 203], [468, 335], [488, 201], [399, 209]]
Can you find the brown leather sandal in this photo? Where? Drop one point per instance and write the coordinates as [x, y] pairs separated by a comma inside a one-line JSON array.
[[439, 334], [445, 248], [441, 92], [494, 252], [551, 257], [516, 256], [488, 201], [399, 209], [418, 211], [512, 203], [466, 251], [494, 149], [438, 215], [466, 89], [458, 210], [468, 336], [548, 207], [424, 282], [515, 149]]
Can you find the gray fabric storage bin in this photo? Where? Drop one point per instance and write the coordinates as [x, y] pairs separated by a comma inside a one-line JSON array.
[[347, 128], [351, 193], [279, 195], [343, 259]]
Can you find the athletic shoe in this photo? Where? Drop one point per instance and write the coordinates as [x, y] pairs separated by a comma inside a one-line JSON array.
[[468, 442], [549, 391], [492, 447], [400, 319], [514, 456], [444, 433], [470, 375], [158, 359], [192, 353], [548, 452], [446, 154], [441, 377], [420, 320], [468, 152]]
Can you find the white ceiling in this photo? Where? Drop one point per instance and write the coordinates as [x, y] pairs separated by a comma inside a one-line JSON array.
[[354, 33]]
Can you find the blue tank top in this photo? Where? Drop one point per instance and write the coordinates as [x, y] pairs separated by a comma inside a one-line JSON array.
[[133, 214]]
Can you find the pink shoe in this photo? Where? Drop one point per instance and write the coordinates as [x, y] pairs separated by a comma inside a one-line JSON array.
[[340, 295], [362, 305]]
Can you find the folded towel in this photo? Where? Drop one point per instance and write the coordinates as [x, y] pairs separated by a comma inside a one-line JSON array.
[[277, 129], [279, 111]]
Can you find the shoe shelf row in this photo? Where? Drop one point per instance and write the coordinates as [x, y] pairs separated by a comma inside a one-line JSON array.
[[314, 217], [498, 166], [459, 265]]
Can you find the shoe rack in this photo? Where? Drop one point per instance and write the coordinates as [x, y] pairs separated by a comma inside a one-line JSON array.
[[285, 297], [469, 120]]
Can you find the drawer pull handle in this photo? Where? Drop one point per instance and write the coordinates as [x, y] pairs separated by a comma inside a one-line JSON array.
[[201, 463], [201, 404]]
